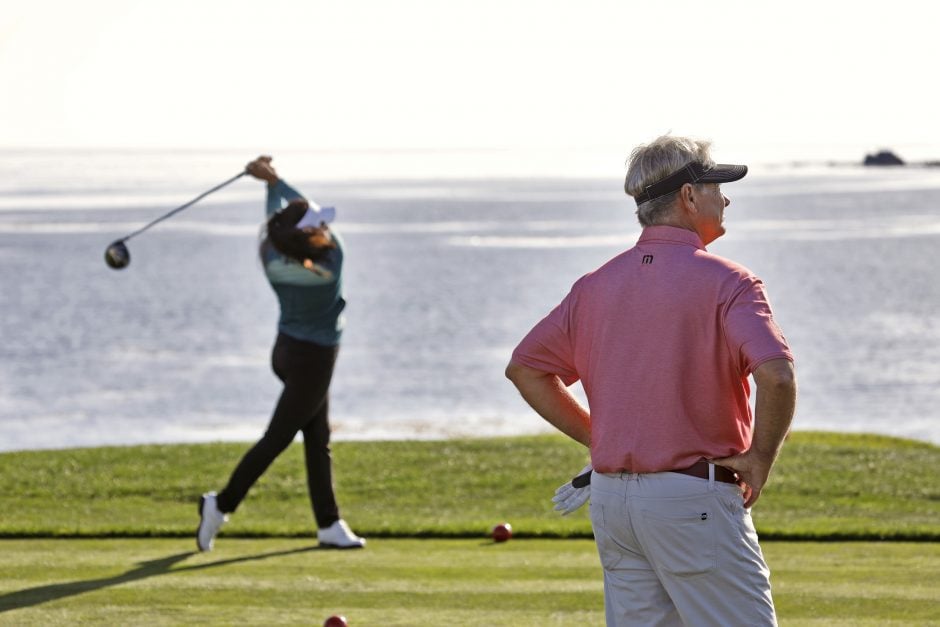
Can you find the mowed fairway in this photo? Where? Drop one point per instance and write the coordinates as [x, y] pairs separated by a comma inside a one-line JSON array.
[[106, 536], [269, 582], [419, 582]]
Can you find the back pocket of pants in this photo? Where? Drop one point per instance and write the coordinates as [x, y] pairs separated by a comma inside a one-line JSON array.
[[681, 543]]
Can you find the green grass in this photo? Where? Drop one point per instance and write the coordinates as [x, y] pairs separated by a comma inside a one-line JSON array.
[[286, 581], [855, 583], [839, 486], [426, 508], [825, 486]]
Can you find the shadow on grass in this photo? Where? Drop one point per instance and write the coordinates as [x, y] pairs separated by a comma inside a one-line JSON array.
[[153, 568]]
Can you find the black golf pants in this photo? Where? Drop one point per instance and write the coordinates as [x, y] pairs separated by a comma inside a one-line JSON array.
[[306, 370]]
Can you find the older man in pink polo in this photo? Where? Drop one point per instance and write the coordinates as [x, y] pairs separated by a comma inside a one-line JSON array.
[[663, 337]]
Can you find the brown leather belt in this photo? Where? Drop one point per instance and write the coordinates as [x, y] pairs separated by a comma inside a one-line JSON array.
[[700, 470]]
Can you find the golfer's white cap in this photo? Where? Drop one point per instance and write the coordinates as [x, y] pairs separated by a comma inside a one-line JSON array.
[[315, 215]]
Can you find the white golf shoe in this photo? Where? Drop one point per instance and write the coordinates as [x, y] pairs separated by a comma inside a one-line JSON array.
[[339, 536], [210, 521]]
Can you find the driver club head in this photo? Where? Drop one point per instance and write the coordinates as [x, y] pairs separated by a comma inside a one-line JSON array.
[[117, 256]]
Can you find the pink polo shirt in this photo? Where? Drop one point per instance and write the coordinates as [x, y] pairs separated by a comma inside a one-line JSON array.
[[663, 338]]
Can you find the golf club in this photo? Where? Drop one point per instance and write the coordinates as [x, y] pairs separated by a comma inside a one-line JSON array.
[[117, 256]]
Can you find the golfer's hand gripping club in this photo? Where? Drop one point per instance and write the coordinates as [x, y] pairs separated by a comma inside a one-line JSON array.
[[575, 493]]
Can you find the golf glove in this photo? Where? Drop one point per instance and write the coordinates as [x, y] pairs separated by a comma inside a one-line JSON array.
[[575, 493]]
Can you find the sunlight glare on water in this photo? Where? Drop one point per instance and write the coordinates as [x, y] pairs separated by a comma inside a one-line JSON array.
[[443, 278]]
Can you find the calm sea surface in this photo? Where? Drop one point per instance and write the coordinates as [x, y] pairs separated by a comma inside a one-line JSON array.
[[443, 278]]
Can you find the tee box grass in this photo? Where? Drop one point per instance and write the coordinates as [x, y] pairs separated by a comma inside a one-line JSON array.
[[106, 536], [824, 487]]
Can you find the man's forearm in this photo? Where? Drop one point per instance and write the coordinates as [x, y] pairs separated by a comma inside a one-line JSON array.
[[774, 408], [776, 401], [549, 397]]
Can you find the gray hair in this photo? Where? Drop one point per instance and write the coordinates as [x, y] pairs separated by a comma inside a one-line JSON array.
[[655, 161]]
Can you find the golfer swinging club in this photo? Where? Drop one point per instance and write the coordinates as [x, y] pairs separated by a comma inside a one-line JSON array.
[[303, 261], [663, 338]]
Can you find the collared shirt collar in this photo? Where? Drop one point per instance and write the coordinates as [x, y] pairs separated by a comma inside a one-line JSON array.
[[674, 234]]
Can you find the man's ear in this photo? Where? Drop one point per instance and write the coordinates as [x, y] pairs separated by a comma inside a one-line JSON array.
[[687, 198]]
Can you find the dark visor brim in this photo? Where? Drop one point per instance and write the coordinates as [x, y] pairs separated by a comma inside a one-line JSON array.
[[691, 173], [724, 173]]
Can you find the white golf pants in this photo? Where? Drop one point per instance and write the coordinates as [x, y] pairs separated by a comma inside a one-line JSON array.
[[678, 550]]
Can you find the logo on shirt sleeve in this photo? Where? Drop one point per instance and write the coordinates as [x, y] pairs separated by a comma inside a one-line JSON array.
[[647, 260]]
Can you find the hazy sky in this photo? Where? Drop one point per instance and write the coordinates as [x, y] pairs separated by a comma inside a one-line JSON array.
[[780, 80]]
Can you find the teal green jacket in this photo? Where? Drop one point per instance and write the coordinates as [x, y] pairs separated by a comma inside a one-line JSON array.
[[311, 303]]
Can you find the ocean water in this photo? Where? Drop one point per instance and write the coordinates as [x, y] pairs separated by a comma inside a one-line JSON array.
[[443, 277]]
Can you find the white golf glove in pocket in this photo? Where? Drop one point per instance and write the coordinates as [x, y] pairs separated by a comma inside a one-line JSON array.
[[575, 493]]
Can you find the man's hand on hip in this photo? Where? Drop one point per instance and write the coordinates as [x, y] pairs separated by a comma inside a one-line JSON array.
[[752, 471]]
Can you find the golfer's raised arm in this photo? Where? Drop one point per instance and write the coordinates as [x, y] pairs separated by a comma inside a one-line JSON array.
[[277, 189]]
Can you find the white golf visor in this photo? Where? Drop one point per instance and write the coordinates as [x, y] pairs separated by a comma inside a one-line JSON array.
[[315, 215]]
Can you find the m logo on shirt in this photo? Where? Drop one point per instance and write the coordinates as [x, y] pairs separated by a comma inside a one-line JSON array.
[[647, 259]]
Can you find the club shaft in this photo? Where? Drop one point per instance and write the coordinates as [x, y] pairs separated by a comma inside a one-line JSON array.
[[181, 207]]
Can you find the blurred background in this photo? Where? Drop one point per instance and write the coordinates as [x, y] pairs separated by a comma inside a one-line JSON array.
[[475, 152]]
